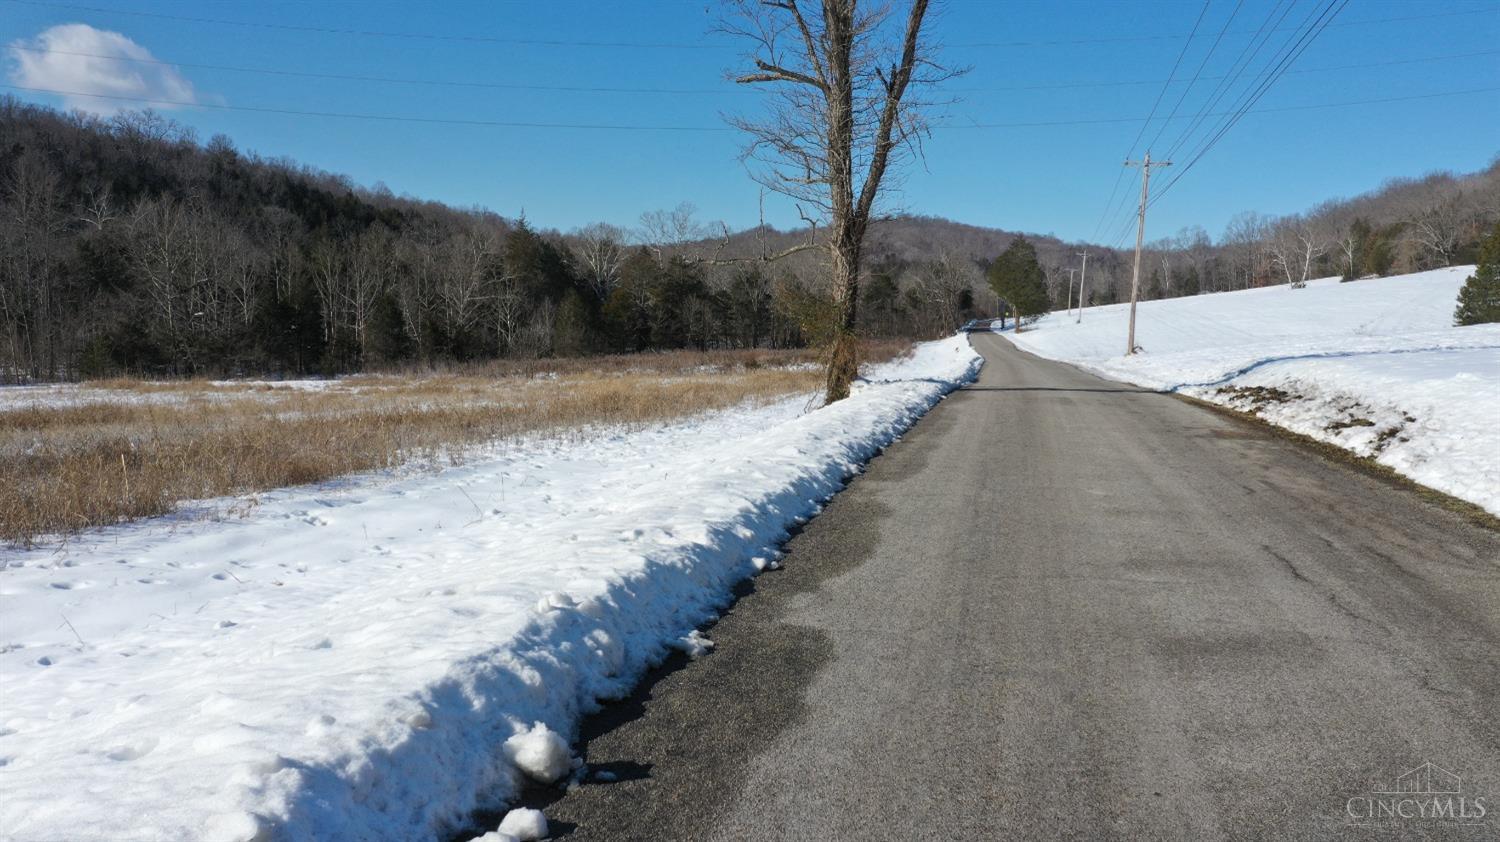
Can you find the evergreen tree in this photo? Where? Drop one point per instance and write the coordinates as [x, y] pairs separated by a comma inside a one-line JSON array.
[[1017, 277], [880, 304], [289, 333], [574, 327], [675, 300], [1479, 299], [744, 307], [1361, 232], [1383, 249], [1190, 284], [627, 313], [538, 265], [386, 339]]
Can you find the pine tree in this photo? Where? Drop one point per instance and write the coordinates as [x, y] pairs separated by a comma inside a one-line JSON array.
[[1017, 277], [1479, 299], [1190, 284], [574, 328], [386, 339]]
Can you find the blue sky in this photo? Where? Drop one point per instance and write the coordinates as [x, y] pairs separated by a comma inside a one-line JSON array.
[[1046, 179]]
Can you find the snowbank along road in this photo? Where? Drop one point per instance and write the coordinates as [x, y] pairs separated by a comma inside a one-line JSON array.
[[1063, 607], [1376, 367], [376, 658]]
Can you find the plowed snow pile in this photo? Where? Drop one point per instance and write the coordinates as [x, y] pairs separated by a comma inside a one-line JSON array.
[[1374, 366], [375, 658]]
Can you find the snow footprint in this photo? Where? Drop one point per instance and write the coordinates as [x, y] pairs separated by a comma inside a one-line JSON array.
[[69, 586], [132, 750]]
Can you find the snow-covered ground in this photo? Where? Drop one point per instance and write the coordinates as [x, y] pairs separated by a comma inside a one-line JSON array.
[[1374, 366], [378, 657]]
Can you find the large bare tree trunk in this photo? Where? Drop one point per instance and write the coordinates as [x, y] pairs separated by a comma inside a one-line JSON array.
[[843, 360], [841, 101], [846, 233]]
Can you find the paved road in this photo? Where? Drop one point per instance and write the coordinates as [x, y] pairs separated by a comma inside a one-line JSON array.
[[1061, 607]]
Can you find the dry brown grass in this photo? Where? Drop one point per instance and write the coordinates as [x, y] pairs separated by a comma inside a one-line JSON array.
[[135, 449]]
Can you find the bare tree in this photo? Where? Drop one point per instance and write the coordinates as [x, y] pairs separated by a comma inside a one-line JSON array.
[[1195, 250], [465, 285], [1436, 223], [839, 115], [1244, 238], [945, 285], [510, 313], [666, 231], [161, 260], [30, 228], [280, 230], [97, 211], [600, 249], [1295, 242]]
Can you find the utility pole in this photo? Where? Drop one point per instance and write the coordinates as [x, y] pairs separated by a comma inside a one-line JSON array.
[[1140, 233], [1082, 283], [1070, 289]]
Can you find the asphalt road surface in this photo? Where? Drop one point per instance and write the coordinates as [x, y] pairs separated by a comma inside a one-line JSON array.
[[1061, 607]]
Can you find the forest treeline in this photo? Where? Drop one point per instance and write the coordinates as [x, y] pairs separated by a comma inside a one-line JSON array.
[[1407, 225], [129, 247]]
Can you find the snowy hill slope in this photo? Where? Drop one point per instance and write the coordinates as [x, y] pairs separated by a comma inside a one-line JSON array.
[[1373, 366], [368, 659]]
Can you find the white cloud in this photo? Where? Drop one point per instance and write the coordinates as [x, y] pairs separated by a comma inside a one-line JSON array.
[[78, 58]]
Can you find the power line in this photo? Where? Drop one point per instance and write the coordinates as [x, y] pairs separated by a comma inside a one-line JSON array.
[[403, 118], [1054, 86], [1289, 53], [397, 118], [551, 42], [1110, 202], [1197, 73], [1275, 65], [1138, 38], [324, 30], [1170, 76], [388, 79], [458, 83], [1329, 13], [1237, 70]]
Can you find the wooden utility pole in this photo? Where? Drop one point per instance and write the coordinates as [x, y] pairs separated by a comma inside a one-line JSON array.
[[1140, 233], [1070, 289], [1083, 280]]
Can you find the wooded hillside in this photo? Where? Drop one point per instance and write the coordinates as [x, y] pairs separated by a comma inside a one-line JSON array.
[[127, 246]]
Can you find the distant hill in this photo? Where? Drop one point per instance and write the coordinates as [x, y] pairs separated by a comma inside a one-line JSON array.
[[128, 246]]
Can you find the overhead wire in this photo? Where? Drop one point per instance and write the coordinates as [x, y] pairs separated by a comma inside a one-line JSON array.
[[1236, 72], [696, 45], [613, 89], [1197, 73], [1119, 177], [1274, 67], [1329, 14], [648, 127], [1253, 93]]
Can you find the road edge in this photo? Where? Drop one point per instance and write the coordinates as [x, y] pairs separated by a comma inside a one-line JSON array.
[[1472, 512]]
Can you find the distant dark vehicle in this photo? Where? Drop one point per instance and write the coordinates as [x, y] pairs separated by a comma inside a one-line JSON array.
[[976, 326]]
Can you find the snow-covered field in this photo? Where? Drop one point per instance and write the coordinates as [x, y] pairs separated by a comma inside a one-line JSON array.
[[378, 657], [1374, 366]]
